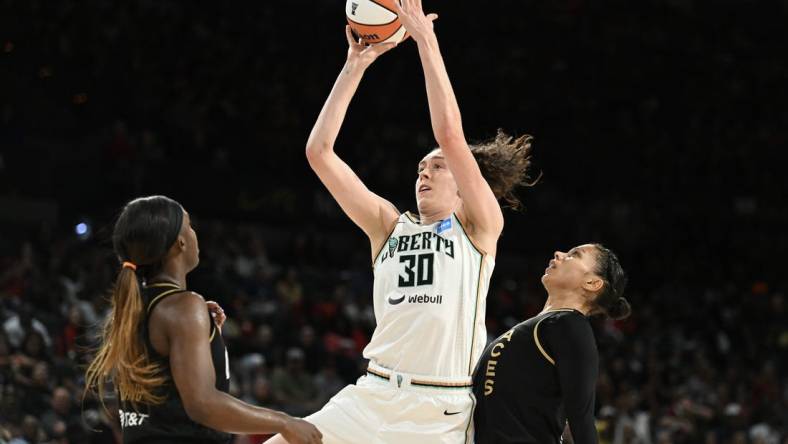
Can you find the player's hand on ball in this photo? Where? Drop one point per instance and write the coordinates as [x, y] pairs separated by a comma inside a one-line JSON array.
[[217, 313], [412, 17], [298, 431], [362, 55]]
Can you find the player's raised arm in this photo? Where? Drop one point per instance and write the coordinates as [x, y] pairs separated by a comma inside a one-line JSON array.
[[370, 212], [480, 207]]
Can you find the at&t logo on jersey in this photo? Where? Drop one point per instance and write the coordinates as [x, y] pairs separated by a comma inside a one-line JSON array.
[[416, 299], [131, 419]]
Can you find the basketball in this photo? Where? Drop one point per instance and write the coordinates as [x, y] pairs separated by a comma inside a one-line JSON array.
[[374, 21]]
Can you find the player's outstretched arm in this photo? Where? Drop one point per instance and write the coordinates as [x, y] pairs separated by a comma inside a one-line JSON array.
[[186, 324], [480, 206], [370, 212]]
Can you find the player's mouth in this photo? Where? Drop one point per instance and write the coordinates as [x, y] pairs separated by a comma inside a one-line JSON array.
[[424, 188]]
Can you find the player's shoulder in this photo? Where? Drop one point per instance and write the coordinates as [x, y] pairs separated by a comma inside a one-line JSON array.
[[567, 331], [185, 297], [184, 303], [566, 320], [566, 314]]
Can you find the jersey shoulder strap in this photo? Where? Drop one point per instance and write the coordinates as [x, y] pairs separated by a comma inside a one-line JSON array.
[[161, 291]]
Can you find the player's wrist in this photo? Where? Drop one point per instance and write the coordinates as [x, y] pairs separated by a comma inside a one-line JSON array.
[[427, 40], [280, 422], [354, 66], [290, 427]]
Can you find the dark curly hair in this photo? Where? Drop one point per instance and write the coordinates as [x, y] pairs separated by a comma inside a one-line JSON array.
[[505, 162]]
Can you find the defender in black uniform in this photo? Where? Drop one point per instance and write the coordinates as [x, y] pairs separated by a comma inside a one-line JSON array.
[[161, 348], [169, 422], [540, 375]]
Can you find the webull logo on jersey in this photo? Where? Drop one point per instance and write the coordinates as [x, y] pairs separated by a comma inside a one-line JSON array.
[[419, 241], [416, 299]]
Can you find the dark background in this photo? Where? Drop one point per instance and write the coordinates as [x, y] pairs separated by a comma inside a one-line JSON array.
[[658, 126]]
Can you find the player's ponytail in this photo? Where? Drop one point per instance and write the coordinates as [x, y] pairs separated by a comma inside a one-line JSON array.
[[122, 357], [143, 235], [610, 300], [505, 162]]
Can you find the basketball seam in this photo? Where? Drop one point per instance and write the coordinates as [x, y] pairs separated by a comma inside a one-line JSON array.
[[396, 31], [376, 24], [390, 36], [385, 7]]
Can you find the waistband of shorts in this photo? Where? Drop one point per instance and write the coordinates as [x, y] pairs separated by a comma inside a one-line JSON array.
[[401, 379]]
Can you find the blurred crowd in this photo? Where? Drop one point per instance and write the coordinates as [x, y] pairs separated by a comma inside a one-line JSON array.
[[658, 126], [690, 366]]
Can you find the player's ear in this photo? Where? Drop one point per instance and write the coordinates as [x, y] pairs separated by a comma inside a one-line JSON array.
[[181, 243], [593, 283]]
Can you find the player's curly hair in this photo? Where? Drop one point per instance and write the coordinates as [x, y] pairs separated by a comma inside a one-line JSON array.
[[505, 162]]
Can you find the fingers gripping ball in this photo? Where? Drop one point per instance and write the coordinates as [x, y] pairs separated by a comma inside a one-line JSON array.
[[375, 21]]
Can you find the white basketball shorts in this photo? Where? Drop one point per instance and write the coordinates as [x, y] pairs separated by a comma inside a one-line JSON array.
[[397, 408]]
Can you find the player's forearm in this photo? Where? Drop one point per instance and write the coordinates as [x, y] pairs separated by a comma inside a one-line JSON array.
[[444, 110], [220, 411], [578, 382], [329, 122]]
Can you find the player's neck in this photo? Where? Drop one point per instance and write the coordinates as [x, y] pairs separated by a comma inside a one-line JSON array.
[[172, 274], [428, 216], [562, 301], [427, 219]]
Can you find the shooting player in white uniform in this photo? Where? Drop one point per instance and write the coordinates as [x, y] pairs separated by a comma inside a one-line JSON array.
[[431, 270]]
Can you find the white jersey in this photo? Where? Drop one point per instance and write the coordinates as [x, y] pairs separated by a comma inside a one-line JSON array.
[[430, 297]]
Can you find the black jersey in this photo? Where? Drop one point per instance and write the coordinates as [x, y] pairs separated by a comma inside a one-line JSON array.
[[534, 378], [168, 422]]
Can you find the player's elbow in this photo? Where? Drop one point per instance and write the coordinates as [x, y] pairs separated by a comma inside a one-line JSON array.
[[198, 408], [449, 136], [315, 153]]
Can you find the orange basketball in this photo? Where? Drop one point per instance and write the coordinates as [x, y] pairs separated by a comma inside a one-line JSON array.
[[375, 21]]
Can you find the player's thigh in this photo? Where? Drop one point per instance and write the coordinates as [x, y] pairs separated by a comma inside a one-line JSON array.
[[343, 423], [433, 418]]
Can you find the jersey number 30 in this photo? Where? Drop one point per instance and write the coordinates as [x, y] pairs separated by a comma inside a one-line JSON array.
[[418, 269]]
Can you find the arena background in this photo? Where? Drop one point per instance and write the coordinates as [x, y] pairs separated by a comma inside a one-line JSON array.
[[658, 126]]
